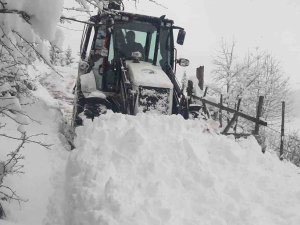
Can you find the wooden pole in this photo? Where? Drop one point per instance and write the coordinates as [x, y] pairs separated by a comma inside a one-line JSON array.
[[204, 104], [258, 114], [282, 131], [237, 109], [205, 92], [220, 111], [200, 76], [225, 131]]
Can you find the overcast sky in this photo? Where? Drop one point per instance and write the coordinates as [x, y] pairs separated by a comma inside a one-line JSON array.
[[269, 24]]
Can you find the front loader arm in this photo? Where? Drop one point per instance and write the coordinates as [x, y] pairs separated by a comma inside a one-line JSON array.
[[179, 98], [128, 94]]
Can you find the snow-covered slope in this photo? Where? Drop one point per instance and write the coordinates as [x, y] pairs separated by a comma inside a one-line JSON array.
[[37, 182], [146, 170], [160, 170]]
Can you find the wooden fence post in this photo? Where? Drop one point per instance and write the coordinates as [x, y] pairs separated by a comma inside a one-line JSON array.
[[282, 132], [237, 109], [225, 131], [258, 114], [204, 104], [205, 92], [234, 118], [220, 111]]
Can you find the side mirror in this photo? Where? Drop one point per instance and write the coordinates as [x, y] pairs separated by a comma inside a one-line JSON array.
[[183, 62], [181, 37]]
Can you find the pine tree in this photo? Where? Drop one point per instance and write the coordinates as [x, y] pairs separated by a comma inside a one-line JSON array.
[[57, 56], [68, 56]]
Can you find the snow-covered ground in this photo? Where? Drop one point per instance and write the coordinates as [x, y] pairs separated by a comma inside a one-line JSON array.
[[148, 170], [50, 112], [35, 186]]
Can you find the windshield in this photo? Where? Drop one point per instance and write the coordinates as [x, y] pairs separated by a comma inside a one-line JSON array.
[[137, 36]]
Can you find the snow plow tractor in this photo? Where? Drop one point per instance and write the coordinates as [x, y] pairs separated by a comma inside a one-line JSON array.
[[128, 65]]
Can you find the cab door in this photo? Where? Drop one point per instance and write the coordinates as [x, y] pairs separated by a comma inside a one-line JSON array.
[[103, 60]]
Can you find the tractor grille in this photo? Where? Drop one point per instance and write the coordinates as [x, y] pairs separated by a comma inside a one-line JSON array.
[[154, 99]]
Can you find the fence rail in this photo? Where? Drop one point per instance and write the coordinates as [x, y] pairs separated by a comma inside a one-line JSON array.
[[236, 112]]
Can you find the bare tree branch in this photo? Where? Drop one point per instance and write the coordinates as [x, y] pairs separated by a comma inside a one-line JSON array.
[[23, 14], [76, 20], [26, 139]]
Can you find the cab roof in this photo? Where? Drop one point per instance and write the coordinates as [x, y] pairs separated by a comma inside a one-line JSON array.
[[121, 15]]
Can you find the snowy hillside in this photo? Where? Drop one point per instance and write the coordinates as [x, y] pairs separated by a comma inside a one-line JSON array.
[[147, 169], [131, 170], [35, 184]]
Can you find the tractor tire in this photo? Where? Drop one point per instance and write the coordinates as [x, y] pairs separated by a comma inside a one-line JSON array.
[[78, 107], [94, 109], [89, 109], [196, 112]]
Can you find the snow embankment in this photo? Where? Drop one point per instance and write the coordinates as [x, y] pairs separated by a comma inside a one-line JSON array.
[[163, 170]]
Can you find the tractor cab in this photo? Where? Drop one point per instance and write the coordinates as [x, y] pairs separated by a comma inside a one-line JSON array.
[[129, 61]]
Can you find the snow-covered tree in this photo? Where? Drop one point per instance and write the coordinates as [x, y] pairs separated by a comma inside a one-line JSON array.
[[292, 148], [25, 27], [68, 56], [257, 74], [57, 56]]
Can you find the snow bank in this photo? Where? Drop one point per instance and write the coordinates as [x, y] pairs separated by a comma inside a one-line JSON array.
[[163, 170], [37, 184]]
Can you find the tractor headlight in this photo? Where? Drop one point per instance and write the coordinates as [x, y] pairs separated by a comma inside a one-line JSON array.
[[136, 56]]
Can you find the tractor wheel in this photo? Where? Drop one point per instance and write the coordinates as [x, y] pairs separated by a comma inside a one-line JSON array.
[[94, 109], [78, 107], [196, 112]]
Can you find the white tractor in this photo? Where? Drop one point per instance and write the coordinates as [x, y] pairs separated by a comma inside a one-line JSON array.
[[128, 65]]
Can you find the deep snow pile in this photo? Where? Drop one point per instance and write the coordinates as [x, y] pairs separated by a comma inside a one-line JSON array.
[[163, 170]]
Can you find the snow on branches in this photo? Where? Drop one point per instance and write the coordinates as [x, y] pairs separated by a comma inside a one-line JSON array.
[[25, 27], [11, 163], [23, 31], [258, 73]]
